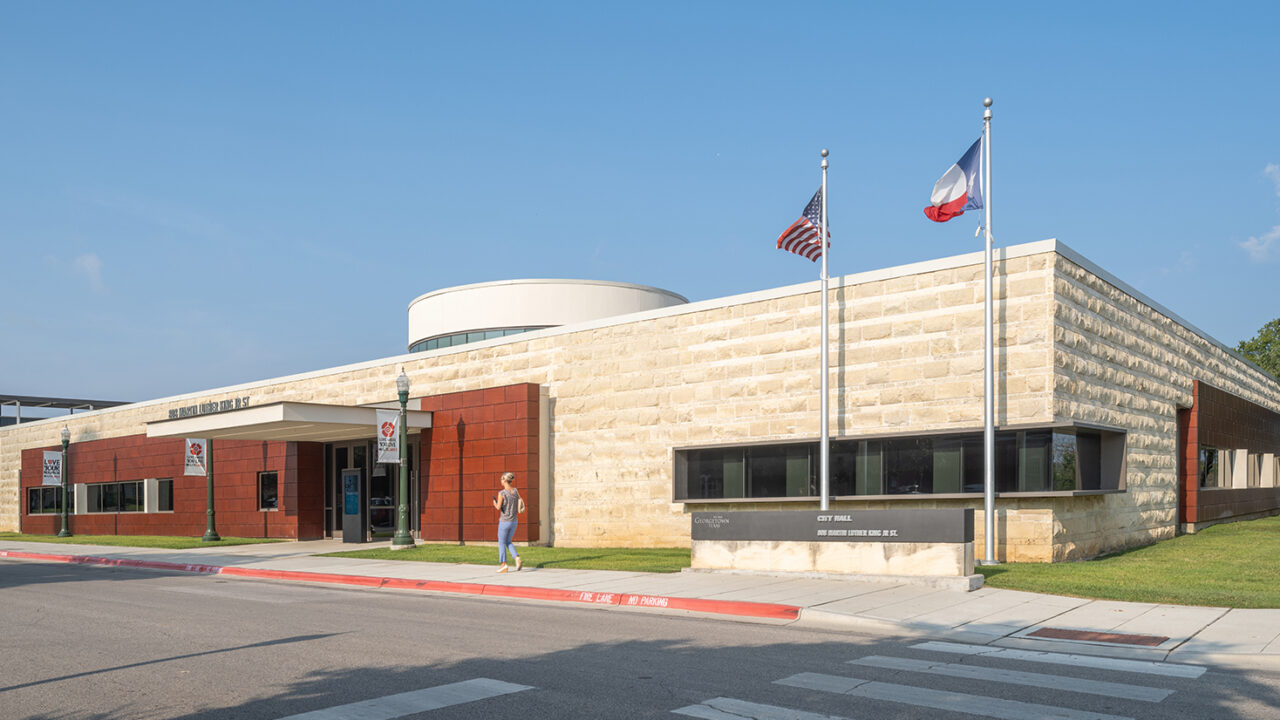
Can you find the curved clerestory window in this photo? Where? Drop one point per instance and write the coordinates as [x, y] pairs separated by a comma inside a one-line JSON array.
[[456, 339]]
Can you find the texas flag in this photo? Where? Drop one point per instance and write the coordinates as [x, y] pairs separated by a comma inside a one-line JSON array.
[[960, 187]]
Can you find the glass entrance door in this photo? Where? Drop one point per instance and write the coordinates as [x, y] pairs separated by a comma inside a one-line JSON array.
[[383, 486], [379, 491], [384, 496], [340, 458]]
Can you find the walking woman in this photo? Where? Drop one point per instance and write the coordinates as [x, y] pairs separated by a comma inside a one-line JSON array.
[[508, 503]]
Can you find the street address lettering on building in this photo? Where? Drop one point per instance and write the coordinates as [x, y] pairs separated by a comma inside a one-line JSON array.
[[915, 526], [205, 408]]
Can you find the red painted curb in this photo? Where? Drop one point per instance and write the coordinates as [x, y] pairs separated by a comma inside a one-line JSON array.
[[115, 562], [35, 556], [302, 576], [554, 594], [433, 586], [717, 607]]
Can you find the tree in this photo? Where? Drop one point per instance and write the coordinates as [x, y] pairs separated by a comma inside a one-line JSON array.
[[1263, 349]]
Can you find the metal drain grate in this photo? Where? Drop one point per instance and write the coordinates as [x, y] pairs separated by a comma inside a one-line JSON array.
[[1103, 637]]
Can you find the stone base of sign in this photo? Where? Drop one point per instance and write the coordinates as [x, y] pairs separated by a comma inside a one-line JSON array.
[[920, 559], [958, 583], [934, 543]]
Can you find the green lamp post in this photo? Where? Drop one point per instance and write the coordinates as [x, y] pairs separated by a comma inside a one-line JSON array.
[[211, 531], [402, 538], [66, 440]]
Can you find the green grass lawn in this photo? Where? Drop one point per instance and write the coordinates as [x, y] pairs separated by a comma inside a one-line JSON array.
[[1230, 565], [661, 560], [152, 541]]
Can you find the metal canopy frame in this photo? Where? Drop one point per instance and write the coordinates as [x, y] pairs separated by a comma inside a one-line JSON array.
[[58, 403]]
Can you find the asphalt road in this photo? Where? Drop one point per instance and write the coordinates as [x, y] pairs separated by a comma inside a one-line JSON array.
[[88, 642]]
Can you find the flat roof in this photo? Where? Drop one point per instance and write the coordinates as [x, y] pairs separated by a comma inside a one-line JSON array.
[[973, 258], [549, 281]]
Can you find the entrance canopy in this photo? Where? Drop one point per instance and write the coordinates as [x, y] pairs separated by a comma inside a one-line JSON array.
[[285, 421]]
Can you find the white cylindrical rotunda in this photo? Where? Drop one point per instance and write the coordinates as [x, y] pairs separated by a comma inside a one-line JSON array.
[[470, 313]]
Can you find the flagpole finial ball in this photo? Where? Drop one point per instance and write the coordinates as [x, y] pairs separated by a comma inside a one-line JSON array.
[[986, 102], [824, 152]]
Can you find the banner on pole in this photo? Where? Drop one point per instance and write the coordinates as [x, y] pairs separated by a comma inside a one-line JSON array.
[[197, 451], [389, 436], [52, 472]]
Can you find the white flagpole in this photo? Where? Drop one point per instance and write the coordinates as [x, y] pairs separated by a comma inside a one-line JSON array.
[[823, 444], [988, 381]]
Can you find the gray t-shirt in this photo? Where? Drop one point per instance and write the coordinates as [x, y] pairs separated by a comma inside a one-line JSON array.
[[510, 504]]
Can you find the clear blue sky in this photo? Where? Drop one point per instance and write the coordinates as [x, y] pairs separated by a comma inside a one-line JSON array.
[[199, 194]]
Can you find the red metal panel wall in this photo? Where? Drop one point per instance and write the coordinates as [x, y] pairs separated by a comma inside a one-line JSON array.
[[1188, 465], [1227, 422], [475, 437], [1231, 422], [302, 489], [300, 468]]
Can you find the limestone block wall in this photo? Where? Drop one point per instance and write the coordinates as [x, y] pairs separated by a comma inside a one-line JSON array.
[[911, 352], [906, 356], [1122, 361]]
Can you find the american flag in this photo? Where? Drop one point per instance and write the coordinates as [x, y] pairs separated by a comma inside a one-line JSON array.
[[802, 237]]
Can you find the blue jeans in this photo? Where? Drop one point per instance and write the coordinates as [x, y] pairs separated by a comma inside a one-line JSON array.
[[506, 531]]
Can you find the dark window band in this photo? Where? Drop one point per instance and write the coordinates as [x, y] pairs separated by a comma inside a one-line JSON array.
[[1042, 460]]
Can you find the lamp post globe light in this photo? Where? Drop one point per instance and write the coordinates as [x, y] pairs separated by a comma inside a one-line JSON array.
[[402, 539], [66, 440]]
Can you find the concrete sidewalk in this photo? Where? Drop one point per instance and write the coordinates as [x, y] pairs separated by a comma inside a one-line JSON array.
[[988, 616]]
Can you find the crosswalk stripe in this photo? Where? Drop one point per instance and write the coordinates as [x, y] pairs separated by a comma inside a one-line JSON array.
[[1017, 677], [1150, 667], [939, 699], [416, 701], [723, 708]]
